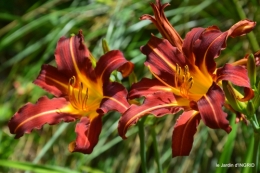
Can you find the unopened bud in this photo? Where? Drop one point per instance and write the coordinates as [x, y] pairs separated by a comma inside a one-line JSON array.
[[250, 109], [251, 70], [256, 99], [232, 98], [242, 27], [105, 46]]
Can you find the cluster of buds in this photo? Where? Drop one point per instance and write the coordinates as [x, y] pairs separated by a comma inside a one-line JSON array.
[[244, 108]]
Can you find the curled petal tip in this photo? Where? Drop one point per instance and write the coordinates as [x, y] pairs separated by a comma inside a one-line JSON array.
[[146, 17], [249, 94], [126, 69], [242, 27], [113, 60], [121, 132], [163, 25]]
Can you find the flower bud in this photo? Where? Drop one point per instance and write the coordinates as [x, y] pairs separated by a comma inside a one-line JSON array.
[[232, 98], [250, 109], [242, 27], [105, 46], [256, 99], [251, 70]]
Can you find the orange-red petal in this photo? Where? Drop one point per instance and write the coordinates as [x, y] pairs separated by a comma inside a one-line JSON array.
[[183, 133], [158, 104], [235, 74], [34, 116], [163, 25], [111, 61], [188, 44], [238, 76], [115, 98], [51, 80], [145, 87], [212, 41], [162, 58], [72, 56], [88, 132], [210, 108]]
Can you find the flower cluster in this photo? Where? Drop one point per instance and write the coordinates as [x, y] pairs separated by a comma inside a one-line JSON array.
[[185, 78]]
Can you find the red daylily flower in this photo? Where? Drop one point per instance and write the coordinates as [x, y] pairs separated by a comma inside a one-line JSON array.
[[186, 78], [81, 92]]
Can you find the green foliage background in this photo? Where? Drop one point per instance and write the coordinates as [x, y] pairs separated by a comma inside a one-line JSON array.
[[29, 31]]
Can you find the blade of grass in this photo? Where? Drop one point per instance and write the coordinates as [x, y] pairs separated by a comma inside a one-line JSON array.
[[228, 148], [34, 167], [50, 142], [249, 156], [156, 149], [142, 144]]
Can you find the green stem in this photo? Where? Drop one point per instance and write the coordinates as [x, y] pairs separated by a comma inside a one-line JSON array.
[[142, 144], [256, 121], [256, 151], [251, 36], [255, 124], [155, 146]]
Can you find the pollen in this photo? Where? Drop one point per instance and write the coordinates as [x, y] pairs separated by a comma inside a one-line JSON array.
[[183, 80], [77, 94]]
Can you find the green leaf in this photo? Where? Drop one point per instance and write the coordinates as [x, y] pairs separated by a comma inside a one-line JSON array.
[[225, 156], [35, 167]]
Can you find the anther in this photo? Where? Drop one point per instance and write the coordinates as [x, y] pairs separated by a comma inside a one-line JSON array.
[[177, 74], [186, 70], [80, 92], [190, 79], [190, 84], [178, 69], [84, 102]]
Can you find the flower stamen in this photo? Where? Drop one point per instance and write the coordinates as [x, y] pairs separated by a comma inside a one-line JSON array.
[[186, 80], [77, 97], [178, 73]]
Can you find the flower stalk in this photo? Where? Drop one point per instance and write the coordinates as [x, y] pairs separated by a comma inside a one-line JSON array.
[[156, 151], [256, 151], [142, 144]]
